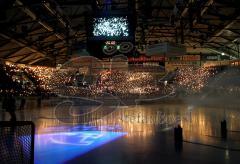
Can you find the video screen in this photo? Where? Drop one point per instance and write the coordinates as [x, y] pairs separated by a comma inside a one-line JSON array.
[[110, 27]]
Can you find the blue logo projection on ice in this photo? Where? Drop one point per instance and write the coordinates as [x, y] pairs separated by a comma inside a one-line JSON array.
[[63, 146]]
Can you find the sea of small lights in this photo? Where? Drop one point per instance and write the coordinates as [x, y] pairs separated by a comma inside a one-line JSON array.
[[125, 84], [116, 26], [192, 79], [27, 80], [119, 83], [64, 81]]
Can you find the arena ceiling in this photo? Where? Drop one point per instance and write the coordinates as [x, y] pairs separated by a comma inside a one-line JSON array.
[[48, 31]]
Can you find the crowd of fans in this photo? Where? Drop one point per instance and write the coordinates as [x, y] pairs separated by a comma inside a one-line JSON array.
[[220, 80], [20, 80], [124, 84], [23, 80]]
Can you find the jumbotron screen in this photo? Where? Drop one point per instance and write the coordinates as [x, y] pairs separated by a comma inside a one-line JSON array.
[[110, 27]]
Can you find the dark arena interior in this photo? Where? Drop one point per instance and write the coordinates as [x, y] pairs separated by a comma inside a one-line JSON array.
[[120, 81]]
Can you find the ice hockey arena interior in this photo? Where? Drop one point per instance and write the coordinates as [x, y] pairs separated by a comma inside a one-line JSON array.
[[120, 81]]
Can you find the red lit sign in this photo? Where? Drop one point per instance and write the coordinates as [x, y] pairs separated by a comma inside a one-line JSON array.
[[146, 59]]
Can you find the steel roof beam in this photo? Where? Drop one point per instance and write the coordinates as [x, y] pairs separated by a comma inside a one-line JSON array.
[[13, 53], [22, 44], [34, 17], [229, 25]]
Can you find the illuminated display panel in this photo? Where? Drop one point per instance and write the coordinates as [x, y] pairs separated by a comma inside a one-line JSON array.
[[110, 27]]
